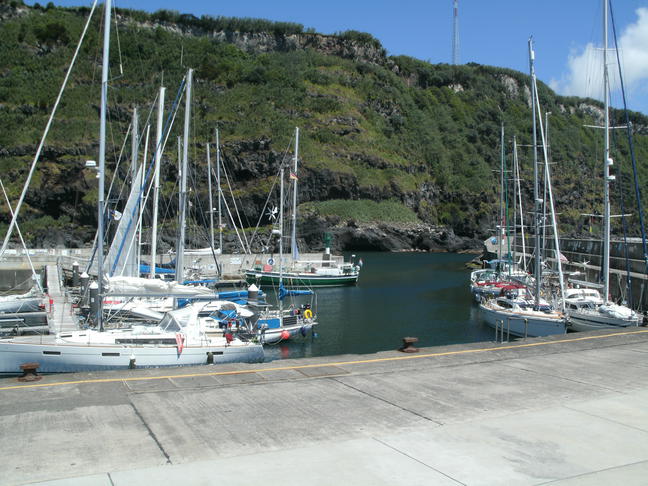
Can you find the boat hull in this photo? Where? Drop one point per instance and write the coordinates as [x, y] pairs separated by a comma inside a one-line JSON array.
[[592, 322], [523, 325], [273, 336], [60, 358], [300, 280]]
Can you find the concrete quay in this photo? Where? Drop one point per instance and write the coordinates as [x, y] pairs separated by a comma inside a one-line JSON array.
[[565, 410]]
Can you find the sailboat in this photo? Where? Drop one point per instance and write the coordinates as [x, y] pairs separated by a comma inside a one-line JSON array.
[[502, 274], [180, 337], [589, 311], [324, 273], [516, 311]]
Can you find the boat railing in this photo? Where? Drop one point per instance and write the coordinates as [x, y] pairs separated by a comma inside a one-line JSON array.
[[502, 325]]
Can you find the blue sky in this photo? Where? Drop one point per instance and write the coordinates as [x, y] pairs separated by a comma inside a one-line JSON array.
[[567, 33]]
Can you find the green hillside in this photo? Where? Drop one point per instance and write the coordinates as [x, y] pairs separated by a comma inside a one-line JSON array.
[[420, 139]]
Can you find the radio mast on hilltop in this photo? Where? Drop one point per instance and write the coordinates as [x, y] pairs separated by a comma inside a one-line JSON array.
[[455, 32]]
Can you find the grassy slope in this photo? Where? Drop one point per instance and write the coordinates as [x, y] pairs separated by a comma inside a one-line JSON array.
[[426, 137]]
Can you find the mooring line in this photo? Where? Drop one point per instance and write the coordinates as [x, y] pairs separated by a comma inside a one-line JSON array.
[[318, 365]]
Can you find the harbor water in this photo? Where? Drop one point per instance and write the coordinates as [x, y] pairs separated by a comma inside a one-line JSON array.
[[424, 295]]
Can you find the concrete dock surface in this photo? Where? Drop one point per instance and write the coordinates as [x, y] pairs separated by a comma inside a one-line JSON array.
[[564, 410]]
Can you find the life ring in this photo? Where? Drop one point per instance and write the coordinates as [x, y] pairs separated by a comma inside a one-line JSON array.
[[308, 314]]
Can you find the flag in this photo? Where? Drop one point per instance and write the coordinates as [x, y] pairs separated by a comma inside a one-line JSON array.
[[360, 262], [293, 176], [179, 342]]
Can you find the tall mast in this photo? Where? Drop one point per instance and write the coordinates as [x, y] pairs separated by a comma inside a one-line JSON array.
[[607, 162], [500, 236], [519, 200], [281, 222], [156, 178], [183, 182], [134, 144], [536, 199], [102, 160], [218, 182], [139, 220], [211, 202], [132, 258], [293, 176]]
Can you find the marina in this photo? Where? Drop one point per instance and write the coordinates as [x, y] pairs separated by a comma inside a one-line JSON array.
[[316, 310]]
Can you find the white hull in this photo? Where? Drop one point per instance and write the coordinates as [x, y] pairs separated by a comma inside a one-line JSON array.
[[580, 321], [530, 323], [58, 358]]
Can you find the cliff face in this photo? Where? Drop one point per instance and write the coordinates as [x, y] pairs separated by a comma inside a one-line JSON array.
[[375, 129]]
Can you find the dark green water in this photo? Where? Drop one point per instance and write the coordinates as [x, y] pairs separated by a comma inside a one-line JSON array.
[[425, 295]]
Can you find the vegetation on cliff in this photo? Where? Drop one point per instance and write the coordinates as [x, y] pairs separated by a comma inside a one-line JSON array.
[[392, 136]]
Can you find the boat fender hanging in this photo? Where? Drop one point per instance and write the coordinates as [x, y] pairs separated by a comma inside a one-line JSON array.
[[285, 334], [308, 314]]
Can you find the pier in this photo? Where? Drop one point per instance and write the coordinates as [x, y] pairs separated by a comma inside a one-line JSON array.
[[565, 410]]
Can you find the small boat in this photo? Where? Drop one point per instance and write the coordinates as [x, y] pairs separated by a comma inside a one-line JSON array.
[[334, 276], [588, 311], [32, 301]]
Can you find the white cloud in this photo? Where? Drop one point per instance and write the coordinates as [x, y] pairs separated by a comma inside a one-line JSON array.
[[584, 75]]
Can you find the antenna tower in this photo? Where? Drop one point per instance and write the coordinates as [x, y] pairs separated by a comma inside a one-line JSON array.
[[455, 32]]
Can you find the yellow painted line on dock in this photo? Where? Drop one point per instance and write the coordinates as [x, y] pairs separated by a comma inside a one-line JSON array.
[[319, 365]]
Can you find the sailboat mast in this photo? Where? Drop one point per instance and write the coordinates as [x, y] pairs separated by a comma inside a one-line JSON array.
[[134, 145], [500, 236], [536, 199], [183, 182], [519, 201], [211, 202], [218, 189], [607, 162], [156, 178], [281, 227], [293, 238], [102, 160]]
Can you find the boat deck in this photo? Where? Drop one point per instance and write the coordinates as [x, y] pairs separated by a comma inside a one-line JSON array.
[[566, 409]]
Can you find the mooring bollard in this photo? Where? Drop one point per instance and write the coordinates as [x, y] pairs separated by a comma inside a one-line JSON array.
[[29, 372], [407, 345]]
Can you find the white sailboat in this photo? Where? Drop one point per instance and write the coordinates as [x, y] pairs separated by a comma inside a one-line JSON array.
[[517, 312], [596, 312], [180, 338]]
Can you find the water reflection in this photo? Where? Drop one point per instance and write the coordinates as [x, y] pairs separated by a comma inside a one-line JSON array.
[[399, 294]]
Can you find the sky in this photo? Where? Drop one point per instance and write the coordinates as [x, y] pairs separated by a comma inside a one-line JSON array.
[[567, 33]]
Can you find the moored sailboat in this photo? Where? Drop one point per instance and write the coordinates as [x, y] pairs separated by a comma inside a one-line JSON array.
[[600, 313], [324, 273], [516, 311]]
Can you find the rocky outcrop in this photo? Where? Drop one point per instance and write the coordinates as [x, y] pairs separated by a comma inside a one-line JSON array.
[[261, 42]]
